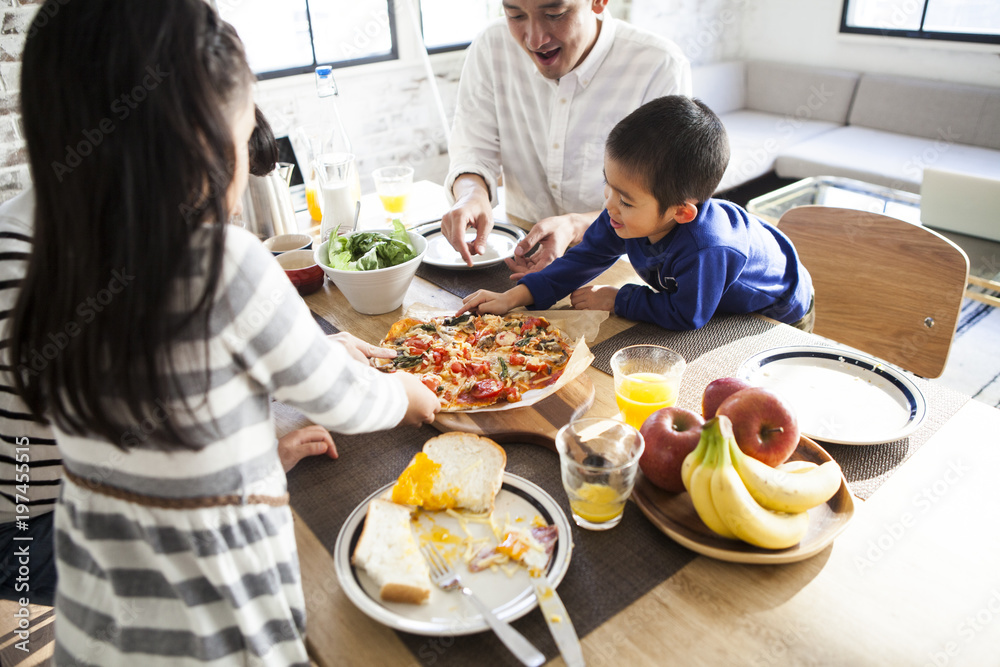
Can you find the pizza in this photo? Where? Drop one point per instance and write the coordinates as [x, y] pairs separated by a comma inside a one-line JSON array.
[[472, 361]]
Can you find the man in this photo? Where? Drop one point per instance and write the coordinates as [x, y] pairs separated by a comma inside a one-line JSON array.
[[537, 99]]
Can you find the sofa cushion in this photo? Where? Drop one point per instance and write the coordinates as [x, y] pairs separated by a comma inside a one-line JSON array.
[[722, 86], [930, 109], [884, 158], [807, 93], [756, 138]]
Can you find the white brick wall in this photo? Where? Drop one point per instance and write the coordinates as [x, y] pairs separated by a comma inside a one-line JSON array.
[[17, 16]]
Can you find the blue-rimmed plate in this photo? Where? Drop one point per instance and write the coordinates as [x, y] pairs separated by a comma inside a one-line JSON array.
[[500, 245], [510, 595], [841, 397]]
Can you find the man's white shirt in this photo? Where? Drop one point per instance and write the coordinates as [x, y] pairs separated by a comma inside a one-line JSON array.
[[548, 135]]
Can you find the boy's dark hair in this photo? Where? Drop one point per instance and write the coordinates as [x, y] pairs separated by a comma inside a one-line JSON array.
[[263, 146], [676, 145]]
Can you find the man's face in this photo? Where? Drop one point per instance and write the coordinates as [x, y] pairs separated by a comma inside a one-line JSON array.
[[557, 34]]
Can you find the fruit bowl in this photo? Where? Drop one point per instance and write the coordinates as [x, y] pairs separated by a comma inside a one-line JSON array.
[[674, 514]]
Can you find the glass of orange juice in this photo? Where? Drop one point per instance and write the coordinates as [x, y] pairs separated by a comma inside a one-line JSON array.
[[647, 378], [598, 459], [393, 185]]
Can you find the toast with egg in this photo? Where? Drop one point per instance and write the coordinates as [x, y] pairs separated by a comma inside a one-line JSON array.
[[388, 552], [454, 471]]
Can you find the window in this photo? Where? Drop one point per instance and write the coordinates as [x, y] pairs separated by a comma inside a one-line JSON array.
[[449, 25], [951, 20], [285, 37]]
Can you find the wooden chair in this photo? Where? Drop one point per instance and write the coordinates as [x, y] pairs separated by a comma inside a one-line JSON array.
[[883, 286]]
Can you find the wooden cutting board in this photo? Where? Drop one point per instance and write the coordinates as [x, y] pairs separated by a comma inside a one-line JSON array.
[[535, 424]]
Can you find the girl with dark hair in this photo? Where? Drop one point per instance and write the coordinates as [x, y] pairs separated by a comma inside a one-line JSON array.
[[153, 336]]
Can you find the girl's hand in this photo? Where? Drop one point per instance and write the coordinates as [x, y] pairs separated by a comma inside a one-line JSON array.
[[361, 350], [309, 441], [424, 403], [594, 297]]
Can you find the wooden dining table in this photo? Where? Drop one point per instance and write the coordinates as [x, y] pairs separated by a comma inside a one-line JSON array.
[[913, 580]]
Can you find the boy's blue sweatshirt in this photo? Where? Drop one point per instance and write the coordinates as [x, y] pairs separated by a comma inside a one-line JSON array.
[[723, 261]]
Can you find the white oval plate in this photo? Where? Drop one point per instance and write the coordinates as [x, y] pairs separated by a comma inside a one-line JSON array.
[[447, 612], [839, 396], [499, 246]]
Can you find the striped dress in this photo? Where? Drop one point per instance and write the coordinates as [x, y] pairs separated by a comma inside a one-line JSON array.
[[144, 578], [17, 429]]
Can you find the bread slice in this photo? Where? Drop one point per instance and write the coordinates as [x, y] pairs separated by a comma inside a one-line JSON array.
[[388, 552], [454, 470]]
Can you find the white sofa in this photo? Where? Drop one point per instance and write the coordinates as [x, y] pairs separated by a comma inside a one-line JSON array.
[[806, 121]]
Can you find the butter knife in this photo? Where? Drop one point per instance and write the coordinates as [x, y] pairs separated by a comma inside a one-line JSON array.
[[558, 620]]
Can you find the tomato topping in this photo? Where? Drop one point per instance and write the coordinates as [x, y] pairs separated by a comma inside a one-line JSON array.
[[535, 366], [457, 367], [480, 368], [516, 359], [432, 382], [530, 323], [485, 389], [512, 394], [416, 345]]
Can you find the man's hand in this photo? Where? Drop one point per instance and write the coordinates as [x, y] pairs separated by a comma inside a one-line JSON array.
[[472, 209], [594, 297], [495, 303], [309, 441], [361, 350], [553, 236]]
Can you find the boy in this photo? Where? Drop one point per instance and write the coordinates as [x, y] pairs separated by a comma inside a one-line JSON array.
[[700, 256]]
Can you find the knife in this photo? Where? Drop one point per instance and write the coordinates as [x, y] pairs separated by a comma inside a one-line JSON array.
[[558, 620]]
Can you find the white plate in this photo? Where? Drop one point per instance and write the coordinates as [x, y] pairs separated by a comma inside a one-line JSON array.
[[839, 396], [499, 246], [447, 613]]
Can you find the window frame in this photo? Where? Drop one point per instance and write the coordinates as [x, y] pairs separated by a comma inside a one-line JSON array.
[[920, 33], [340, 64]]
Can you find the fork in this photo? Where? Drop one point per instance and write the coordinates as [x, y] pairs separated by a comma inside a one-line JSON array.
[[446, 577]]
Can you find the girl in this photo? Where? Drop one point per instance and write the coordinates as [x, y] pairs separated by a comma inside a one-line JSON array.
[[154, 336]]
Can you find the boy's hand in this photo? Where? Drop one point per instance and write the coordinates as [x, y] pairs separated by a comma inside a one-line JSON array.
[[309, 441], [594, 297], [494, 303]]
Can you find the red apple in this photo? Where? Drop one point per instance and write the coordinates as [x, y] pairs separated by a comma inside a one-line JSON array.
[[717, 391], [765, 427], [670, 435]]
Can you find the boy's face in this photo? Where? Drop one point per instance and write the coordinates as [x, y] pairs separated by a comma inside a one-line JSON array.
[[634, 211], [557, 34]]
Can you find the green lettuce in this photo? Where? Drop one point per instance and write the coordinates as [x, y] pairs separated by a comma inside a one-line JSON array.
[[366, 251]]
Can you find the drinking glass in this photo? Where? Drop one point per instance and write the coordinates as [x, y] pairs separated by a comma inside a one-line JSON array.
[[647, 378], [393, 185], [598, 458]]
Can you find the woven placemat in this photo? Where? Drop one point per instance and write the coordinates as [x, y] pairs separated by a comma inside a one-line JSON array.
[[608, 570], [733, 339], [462, 282]]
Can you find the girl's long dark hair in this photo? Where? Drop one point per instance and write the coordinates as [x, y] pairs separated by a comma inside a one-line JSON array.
[[126, 108]]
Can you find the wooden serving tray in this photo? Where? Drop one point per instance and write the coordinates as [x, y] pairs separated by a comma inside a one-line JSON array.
[[674, 514], [535, 424]]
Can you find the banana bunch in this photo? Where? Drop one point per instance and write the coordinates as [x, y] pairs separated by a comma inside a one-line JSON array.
[[739, 497]]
